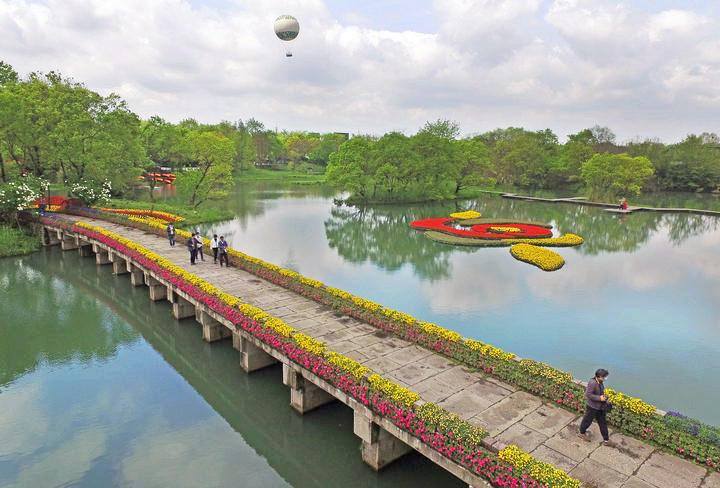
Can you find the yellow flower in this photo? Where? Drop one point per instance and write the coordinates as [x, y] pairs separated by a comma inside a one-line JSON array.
[[630, 403], [542, 258], [500, 229], [543, 472], [395, 392], [468, 214]]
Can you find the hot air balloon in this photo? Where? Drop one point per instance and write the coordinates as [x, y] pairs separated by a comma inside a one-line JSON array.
[[287, 28]]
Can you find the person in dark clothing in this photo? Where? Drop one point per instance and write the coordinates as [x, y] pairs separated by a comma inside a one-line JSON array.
[[222, 251], [171, 234], [597, 406], [193, 250]]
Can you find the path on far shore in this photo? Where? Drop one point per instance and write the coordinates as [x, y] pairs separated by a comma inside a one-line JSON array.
[[510, 416]]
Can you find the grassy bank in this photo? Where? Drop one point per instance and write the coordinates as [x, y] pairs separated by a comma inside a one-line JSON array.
[[193, 216], [15, 242], [284, 176]]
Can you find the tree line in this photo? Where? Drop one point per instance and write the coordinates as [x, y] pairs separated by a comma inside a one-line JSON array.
[[56, 129], [435, 163]]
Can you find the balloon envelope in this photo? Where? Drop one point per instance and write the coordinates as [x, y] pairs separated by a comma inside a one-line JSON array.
[[287, 27]]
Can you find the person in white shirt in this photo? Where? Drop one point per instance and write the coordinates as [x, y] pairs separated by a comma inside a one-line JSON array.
[[199, 245], [214, 247]]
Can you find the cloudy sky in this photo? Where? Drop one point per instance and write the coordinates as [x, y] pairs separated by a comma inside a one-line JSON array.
[[646, 68]]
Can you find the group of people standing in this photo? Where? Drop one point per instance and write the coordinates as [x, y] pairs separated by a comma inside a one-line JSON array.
[[219, 246]]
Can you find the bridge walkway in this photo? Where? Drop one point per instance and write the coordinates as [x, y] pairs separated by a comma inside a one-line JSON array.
[[510, 416]]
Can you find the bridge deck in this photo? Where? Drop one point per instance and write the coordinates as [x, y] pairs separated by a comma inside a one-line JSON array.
[[509, 415]]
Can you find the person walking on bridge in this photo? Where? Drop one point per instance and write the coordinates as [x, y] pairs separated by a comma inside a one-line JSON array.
[[214, 246], [191, 245], [171, 234], [597, 406], [222, 248]]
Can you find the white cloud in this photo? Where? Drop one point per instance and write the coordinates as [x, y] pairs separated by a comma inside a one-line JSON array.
[[565, 65]]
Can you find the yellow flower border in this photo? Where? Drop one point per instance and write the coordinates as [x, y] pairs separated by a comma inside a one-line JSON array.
[[637, 406], [541, 471], [428, 412], [467, 214]]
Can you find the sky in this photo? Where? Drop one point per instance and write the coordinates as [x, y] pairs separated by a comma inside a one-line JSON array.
[[645, 68]]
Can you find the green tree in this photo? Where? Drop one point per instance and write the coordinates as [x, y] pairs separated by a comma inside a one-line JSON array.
[[211, 155], [349, 167], [472, 163], [615, 174], [443, 128]]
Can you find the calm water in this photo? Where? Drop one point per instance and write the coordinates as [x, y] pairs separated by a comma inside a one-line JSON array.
[[641, 297], [101, 387]]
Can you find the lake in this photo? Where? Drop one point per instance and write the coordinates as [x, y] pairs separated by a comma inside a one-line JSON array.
[[100, 386]]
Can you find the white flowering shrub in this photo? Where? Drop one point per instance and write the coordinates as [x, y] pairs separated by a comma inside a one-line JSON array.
[[20, 194], [90, 192]]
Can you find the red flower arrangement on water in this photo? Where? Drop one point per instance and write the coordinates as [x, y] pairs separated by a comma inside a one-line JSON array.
[[482, 231]]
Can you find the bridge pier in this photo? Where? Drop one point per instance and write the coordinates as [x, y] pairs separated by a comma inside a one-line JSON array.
[[68, 242], [85, 249], [119, 264], [379, 447], [304, 395], [158, 291], [212, 330], [181, 308], [49, 237], [137, 277], [101, 255], [252, 357]]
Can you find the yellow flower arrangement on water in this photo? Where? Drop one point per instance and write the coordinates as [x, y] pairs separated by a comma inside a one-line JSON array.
[[503, 229], [544, 259], [467, 214], [630, 403], [543, 472]]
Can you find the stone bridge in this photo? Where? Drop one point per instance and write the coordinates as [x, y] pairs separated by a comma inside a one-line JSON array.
[[509, 415]]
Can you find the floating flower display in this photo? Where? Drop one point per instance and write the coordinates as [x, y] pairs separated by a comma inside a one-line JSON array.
[[524, 237], [467, 214], [544, 259], [482, 231], [500, 229]]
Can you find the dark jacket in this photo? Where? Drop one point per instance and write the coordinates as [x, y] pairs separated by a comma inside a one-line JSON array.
[[593, 390]]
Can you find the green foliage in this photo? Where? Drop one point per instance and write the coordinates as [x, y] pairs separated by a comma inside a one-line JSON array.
[[14, 242], [616, 174], [210, 175]]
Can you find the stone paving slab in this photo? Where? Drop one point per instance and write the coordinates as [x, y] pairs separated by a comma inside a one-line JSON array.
[[626, 457], [548, 420], [544, 453], [518, 434], [506, 412], [510, 415], [712, 481], [567, 443], [663, 469], [635, 482], [474, 399], [597, 475]]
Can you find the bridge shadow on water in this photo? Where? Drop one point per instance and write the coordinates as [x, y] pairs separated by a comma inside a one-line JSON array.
[[318, 449]]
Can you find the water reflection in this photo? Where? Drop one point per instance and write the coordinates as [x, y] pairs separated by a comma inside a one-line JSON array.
[[51, 323], [165, 408], [642, 289]]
